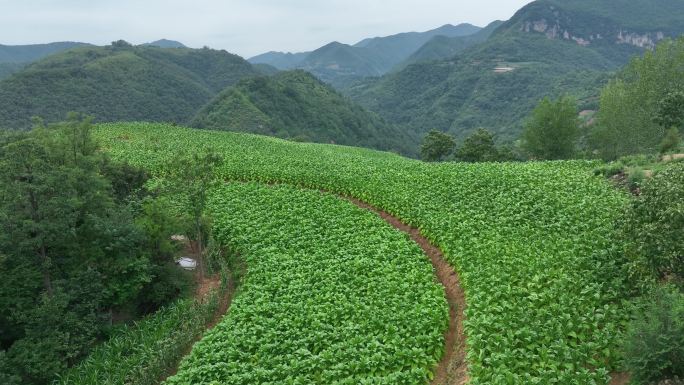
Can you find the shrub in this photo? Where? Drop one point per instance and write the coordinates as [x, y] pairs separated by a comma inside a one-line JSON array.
[[654, 227], [654, 343]]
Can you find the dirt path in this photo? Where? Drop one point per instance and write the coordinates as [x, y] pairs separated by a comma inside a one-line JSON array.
[[204, 288], [453, 368], [619, 379]]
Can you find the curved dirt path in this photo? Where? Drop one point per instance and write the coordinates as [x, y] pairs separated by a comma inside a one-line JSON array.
[[453, 368]]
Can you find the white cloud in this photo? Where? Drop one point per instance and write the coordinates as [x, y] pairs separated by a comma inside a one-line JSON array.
[[246, 27]]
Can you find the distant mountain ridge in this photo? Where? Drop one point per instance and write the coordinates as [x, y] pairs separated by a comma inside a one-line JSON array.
[[164, 43], [15, 57], [119, 83], [341, 64], [548, 48]]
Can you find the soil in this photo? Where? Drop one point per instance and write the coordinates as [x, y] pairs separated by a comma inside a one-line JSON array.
[[619, 379], [453, 368]]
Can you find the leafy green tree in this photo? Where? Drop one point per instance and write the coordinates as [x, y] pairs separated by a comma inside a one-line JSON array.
[[479, 147], [553, 129], [193, 177], [641, 104], [437, 146], [71, 253]]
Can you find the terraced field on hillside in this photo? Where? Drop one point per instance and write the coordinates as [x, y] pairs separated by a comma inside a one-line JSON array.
[[529, 240]]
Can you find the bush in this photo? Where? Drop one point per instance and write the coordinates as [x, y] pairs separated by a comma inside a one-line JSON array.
[[654, 343], [654, 228]]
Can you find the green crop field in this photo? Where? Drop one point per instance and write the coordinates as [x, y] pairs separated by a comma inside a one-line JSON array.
[[334, 295], [530, 242]]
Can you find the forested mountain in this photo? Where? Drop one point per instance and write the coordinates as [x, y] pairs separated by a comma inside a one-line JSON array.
[[15, 57], [296, 105], [547, 48], [339, 64], [444, 47], [164, 43], [119, 83]]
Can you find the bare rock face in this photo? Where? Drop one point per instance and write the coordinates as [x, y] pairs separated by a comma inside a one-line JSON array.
[[556, 24]]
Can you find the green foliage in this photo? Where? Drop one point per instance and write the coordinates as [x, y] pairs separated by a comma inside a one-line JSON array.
[[670, 111], [333, 295], [553, 129], [437, 146], [532, 242], [142, 353], [295, 104], [654, 341], [671, 141], [479, 147], [635, 106], [119, 83], [72, 253], [654, 227]]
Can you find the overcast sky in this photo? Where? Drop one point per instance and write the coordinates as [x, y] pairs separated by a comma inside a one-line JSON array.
[[245, 27]]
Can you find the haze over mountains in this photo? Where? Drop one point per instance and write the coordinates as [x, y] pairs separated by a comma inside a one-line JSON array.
[[453, 78]]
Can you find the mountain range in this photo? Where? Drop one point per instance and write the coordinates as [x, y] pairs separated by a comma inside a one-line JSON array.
[[389, 91], [341, 64], [547, 48]]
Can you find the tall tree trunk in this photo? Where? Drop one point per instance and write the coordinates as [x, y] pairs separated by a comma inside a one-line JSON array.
[[45, 267]]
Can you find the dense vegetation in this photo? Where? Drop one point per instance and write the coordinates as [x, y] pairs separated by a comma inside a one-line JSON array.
[[298, 106], [119, 83], [142, 353], [642, 104], [333, 295], [83, 245], [530, 240], [445, 47], [463, 93], [341, 64]]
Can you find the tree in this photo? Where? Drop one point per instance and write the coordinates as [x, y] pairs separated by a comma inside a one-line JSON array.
[[437, 146], [479, 147], [553, 129], [641, 104], [70, 252], [192, 180]]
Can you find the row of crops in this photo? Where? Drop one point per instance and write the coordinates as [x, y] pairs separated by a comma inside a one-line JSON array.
[[143, 352], [531, 241], [334, 295]]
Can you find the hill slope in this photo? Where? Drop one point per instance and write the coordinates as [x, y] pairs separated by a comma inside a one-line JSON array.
[[444, 47], [340, 64], [496, 84], [296, 105], [15, 57], [119, 83], [164, 43]]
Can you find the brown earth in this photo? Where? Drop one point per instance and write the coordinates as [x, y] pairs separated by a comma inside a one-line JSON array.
[[453, 368], [619, 379]]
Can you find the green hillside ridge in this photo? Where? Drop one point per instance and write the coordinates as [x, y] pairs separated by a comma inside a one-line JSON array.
[[341, 64], [15, 57], [119, 83], [496, 84], [296, 105], [444, 47], [164, 43]]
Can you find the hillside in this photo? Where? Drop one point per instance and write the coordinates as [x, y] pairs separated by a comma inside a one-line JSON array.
[[444, 47], [296, 105], [340, 64], [119, 83], [496, 84], [164, 43], [15, 57]]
